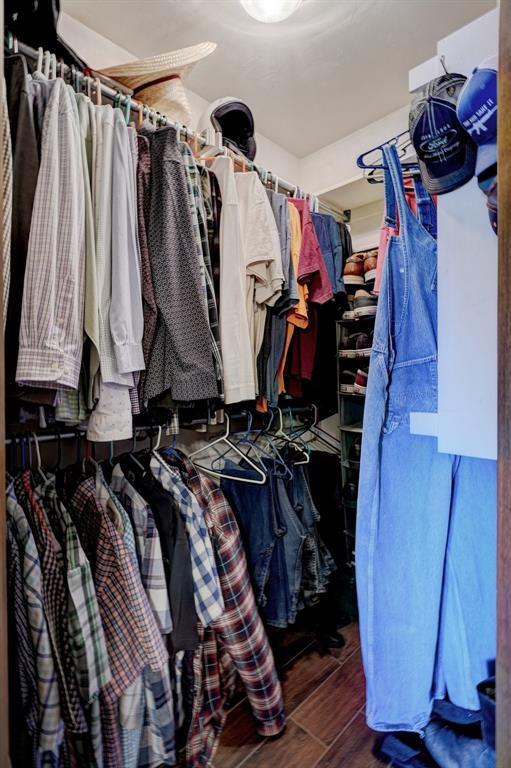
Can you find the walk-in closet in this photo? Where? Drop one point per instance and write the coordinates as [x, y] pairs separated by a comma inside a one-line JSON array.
[[255, 402]]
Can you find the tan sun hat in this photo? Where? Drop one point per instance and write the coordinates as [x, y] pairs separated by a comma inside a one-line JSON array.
[[157, 81]]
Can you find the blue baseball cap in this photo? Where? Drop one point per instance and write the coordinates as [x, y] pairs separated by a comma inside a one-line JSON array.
[[477, 112], [446, 154]]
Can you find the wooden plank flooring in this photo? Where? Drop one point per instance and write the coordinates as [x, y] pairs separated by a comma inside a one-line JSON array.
[[324, 696]]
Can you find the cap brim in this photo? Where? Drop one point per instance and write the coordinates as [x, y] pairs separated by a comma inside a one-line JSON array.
[[441, 185], [486, 157]]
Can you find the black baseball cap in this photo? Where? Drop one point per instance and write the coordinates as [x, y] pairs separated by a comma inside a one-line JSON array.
[[446, 153]]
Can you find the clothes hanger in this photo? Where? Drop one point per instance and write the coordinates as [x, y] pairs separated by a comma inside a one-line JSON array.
[[262, 477], [284, 436], [362, 162], [38, 456]]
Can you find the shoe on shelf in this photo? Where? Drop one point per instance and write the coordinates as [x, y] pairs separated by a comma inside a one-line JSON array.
[[360, 385], [350, 494], [370, 263], [347, 382], [365, 305], [355, 345], [349, 314], [353, 273], [355, 451]]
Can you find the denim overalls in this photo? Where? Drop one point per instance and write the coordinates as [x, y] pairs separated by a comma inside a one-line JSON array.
[[426, 525]]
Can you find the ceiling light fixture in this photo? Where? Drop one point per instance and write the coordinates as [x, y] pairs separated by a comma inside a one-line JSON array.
[[270, 11]]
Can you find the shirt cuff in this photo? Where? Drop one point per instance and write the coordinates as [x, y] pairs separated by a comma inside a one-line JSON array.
[[48, 367], [129, 358]]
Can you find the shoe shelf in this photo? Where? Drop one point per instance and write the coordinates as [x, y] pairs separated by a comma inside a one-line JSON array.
[[350, 361], [354, 354]]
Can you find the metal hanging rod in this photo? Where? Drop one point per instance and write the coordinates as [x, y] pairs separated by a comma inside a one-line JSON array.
[[122, 96], [49, 437]]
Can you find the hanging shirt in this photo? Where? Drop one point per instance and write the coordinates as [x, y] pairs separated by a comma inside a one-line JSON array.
[[311, 268], [263, 262], [338, 255], [239, 376], [126, 315], [209, 603], [50, 728], [321, 230], [181, 362], [148, 548], [51, 332]]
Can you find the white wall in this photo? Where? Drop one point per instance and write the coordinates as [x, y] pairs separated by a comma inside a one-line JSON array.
[[365, 225], [335, 165]]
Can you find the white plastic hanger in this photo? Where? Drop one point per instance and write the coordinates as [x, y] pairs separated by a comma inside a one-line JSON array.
[[224, 439], [38, 455]]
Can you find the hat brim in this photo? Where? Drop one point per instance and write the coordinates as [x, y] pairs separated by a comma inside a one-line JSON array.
[[441, 185], [135, 73], [486, 157]]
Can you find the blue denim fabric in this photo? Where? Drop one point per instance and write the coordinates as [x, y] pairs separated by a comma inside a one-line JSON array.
[[318, 563], [263, 531], [337, 254], [321, 229], [451, 748], [426, 538], [488, 709], [293, 541]]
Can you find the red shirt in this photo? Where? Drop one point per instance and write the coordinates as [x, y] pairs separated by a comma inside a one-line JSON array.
[[311, 266]]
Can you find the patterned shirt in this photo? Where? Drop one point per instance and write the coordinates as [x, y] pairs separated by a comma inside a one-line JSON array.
[[132, 637], [148, 547], [55, 603], [51, 333], [85, 629], [209, 603], [236, 642], [50, 729], [198, 213]]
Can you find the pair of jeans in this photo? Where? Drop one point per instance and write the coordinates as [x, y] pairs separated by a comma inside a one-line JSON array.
[[273, 537], [318, 563], [262, 531], [426, 521]]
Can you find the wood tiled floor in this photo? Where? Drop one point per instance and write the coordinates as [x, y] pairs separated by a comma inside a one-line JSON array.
[[324, 695]]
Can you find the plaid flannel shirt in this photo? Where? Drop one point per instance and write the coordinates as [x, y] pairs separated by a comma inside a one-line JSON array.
[[209, 602], [50, 728], [55, 603], [86, 635], [200, 227], [155, 731], [85, 629], [236, 642], [148, 547], [132, 637]]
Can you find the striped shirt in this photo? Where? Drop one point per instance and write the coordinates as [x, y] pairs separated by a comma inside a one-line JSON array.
[[51, 332]]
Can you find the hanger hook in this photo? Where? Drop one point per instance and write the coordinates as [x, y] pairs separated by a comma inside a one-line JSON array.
[[40, 54], [442, 62], [158, 439]]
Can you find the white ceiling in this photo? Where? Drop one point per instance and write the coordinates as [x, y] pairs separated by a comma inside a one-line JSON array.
[[333, 67]]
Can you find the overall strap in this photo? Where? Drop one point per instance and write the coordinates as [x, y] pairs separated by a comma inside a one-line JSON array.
[[390, 200], [426, 209]]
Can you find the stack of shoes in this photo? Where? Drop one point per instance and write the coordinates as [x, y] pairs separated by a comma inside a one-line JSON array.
[[347, 382], [356, 345], [364, 305], [360, 269], [353, 273], [360, 385], [354, 452], [370, 262]]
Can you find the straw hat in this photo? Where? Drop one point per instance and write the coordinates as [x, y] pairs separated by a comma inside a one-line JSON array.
[[157, 81]]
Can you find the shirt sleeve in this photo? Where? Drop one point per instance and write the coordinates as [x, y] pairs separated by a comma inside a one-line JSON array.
[[126, 311], [51, 331]]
